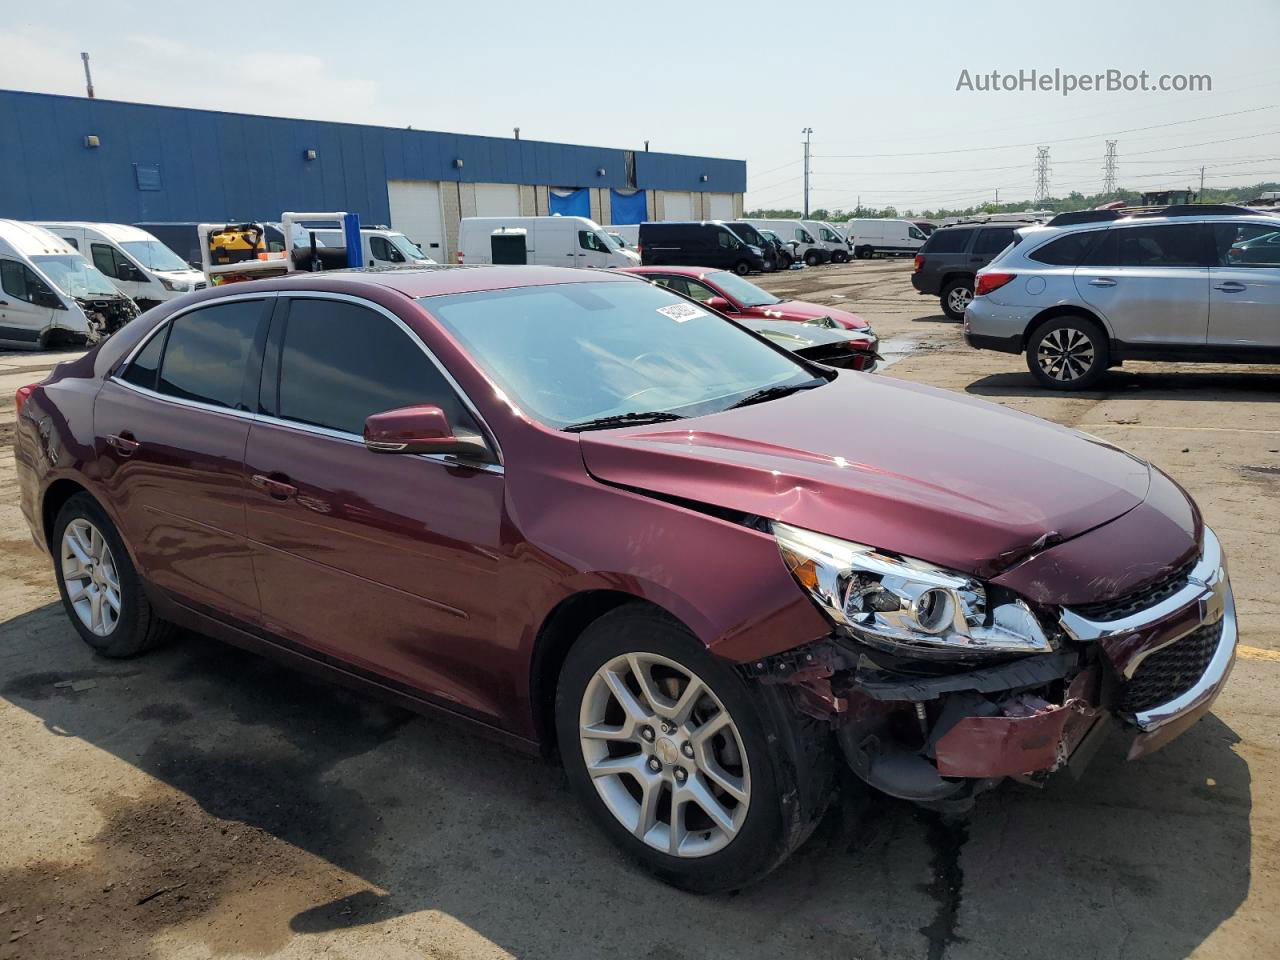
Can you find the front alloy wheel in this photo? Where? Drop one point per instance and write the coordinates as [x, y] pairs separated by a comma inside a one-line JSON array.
[[665, 755]]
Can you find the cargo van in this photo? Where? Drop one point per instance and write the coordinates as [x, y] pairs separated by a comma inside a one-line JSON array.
[[698, 243], [808, 248], [50, 294], [831, 239], [554, 241], [142, 267], [869, 237], [379, 247]]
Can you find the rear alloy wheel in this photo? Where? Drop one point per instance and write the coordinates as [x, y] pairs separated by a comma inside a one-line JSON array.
[[100, 589], [956, 296], [1067, 353], [704, 778], [742, 268]]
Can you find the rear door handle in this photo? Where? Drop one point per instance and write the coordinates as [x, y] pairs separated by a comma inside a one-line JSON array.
[[1231, 286], [1102, 282], [123, 444], [276, 489]]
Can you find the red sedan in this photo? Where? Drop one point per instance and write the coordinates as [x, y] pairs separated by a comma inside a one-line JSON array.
[[585, 515]]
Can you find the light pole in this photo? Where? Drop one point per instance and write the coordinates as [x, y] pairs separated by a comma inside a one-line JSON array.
[[807, 131]]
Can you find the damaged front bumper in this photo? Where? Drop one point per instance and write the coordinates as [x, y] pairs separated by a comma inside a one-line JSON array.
[[1151, 665]]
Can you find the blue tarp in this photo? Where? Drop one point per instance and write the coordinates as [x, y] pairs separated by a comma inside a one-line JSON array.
[[627, 207], [569, 203]]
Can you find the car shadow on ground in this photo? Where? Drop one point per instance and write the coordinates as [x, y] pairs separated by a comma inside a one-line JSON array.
[[277, 806], [1154, 384]]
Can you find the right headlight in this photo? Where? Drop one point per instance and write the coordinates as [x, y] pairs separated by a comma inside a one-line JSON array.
[[903, 605]]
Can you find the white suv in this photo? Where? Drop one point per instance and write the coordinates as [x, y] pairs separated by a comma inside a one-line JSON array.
[[1090, 290]]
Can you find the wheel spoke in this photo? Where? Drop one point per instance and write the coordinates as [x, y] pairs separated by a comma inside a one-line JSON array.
[[112, 597], [698, 792], [726, 781], [95, 610], [683, 707], [651, 793], [78, 551], [631, 707], [677, 831], [607, 731], [702, 734], [632, 765], [657, 702]]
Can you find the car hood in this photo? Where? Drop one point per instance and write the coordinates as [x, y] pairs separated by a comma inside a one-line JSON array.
[[803, 310], [798, 335], [918, 471]]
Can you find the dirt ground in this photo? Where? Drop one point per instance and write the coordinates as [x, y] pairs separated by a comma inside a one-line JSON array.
[[202, 802]]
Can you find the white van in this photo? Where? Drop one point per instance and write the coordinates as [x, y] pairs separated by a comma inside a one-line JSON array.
[[379, 247], [546, 241], [808, 248], [831, 239], [869, 237], [141, 267], [49, 294]]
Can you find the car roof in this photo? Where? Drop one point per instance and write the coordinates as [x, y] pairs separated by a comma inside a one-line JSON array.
[[670, 271], [32, 241], [433, 281]]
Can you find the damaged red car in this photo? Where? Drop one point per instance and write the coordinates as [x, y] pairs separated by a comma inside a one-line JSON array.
[[584, 515]]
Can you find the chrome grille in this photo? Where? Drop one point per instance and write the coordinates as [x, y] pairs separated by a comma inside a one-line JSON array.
[[1138, 600]]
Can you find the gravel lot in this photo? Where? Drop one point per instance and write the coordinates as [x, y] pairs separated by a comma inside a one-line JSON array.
[[202, 802]]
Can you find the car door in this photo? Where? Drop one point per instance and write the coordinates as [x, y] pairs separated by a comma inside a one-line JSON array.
[[1150, 283], [384, 562], [25, 310], [170, 430], [124, 275], [382, 253], [592, 250], [1244, 285]]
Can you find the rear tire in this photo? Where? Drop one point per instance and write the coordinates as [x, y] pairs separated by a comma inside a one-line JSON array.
[[956, 295], [765, 769], [1067, 352], [864, 252], [100, 588]]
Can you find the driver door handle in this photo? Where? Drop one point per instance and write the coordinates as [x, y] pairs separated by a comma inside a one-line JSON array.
[[1231, 286], [123, 444], [1102, 282]]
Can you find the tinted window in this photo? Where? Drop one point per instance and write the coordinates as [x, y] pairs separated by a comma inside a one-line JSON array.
[[1065, 251], [724, 240], [1246, 244], [207, 352], [947, 241], [588, 240], [380, 249], [143, 369], [341, 363], [18, 280], [105, 259], [1171, 245], [993, 241]]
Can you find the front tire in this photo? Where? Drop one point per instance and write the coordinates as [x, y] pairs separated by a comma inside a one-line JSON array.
[[840, 256], [812, 258], [1068, 352], [100, 588], [742, 268], [863, 252], [706, 780]]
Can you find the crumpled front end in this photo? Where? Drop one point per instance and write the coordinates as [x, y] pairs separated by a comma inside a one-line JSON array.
[[1150, 662]]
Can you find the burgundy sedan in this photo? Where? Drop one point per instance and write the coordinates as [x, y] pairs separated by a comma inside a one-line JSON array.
[[585, 515]]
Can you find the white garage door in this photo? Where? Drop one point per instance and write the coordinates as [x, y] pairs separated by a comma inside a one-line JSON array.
[[677, 206], [416, 212], [497, 200], [721, 206]]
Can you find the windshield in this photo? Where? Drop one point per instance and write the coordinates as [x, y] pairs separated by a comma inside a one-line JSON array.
[[573, 352], [75, 276], [744, 291], [155, 255], [406, 246]]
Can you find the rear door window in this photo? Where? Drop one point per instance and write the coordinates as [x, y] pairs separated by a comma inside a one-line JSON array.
[[341, 362], [1163, 245], [993, 240], [1246, 244], [207, 353], [142, 371], [948, 241]]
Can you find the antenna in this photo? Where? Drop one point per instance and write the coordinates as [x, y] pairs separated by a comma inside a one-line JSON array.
[[1109, 169], [1042, 175]]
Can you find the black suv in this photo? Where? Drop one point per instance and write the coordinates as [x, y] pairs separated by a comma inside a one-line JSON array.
[[949, 259], [696, 243]]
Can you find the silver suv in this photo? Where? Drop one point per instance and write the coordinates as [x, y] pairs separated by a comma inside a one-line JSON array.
[[1089, 290]]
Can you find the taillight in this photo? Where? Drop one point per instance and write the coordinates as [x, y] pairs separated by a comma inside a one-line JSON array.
[[988, 282], [457, 257], [919, 264], [21, 396]]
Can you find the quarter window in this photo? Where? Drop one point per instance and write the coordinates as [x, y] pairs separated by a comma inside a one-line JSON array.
[[340, 363], [142, 371], [207, 353]]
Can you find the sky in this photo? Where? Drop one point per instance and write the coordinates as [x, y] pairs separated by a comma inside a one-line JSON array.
[[877, 83]]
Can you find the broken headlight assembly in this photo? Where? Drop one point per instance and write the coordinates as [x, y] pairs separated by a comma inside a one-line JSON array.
[[907, 606]]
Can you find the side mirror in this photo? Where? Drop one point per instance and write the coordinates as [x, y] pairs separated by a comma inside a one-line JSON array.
[[719, 303], [422, 429], [127, 272]]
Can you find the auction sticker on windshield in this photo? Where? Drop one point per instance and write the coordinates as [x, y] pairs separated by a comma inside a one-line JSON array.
[[680, 312]]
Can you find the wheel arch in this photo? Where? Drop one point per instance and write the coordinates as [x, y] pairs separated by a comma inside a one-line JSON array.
[[1063, 310], [556, 635], [57, 494]]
